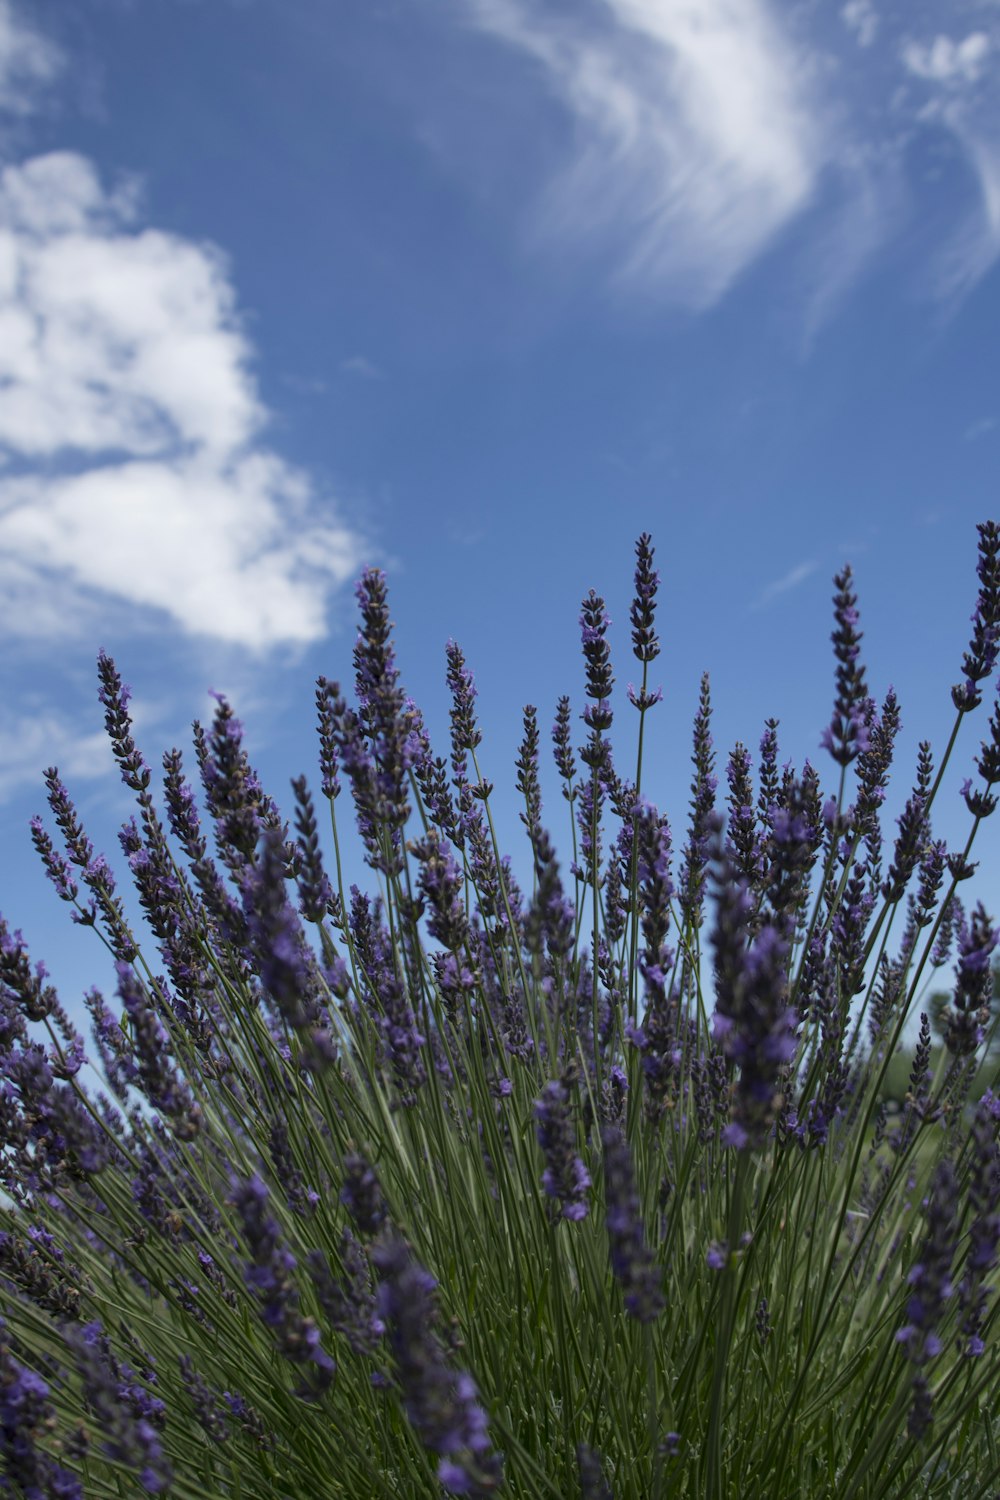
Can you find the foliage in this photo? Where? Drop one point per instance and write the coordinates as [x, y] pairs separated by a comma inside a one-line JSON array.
[[585, 1192]]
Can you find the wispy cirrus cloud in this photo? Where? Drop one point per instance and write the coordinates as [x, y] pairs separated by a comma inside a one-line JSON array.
[[698, 135], [702, 129], [961, 82], [784, 584]]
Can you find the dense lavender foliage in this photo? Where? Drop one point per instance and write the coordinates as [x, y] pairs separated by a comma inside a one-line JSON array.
[[453, 1187]]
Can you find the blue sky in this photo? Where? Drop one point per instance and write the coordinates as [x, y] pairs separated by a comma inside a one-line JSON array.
[[477, 291]]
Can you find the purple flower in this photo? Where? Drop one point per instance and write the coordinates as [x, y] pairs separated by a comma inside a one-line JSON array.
[[527, 772], [931, 1289], [980, 659], [594, 623], [164, 1089], [631, 1258], [128, 1416], [752, 1019], [361, 1195], [440, 882], [717, 1255], [349, 1303], [970, 1011], [442, 1404], [26, 1417], [329, 704], [645, 642], [565, 1176], [268, 1274], [593, 1485], [115, 696], [692, 877], [562, 748], [984, 1235], [465, 733], [848, 734], [315, 893], [276, 943]]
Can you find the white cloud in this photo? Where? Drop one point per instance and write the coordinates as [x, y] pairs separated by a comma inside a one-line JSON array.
[[789, 580], [39, 738], [28, 61], [698, 136], [126, 385], [979, 429], [359, 365], [861, 17], [946, 61], [974, 248]]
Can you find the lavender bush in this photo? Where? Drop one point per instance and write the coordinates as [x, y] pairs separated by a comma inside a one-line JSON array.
[[456, 1188]]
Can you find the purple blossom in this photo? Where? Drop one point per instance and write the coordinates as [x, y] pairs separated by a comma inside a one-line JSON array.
[[703, 787], [984, 1235], [631, 1258], [753, 1022], [562, 748], [26, 1416], [361, 1195], [969, 1011], [593, 1485], [848, 734], [527, 772], [268, 1274], [565, 1176], [329, 704], [315, 893], [349, 1303], [155, 1073], [465, 733], [442, 1404], [931, 1289], [594, 623], [980, 659], [276, 943], [128, 1416]]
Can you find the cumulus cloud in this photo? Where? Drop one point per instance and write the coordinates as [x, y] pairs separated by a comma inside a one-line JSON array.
[[946, 61], [127, 388], [861, 17], [698, 135]]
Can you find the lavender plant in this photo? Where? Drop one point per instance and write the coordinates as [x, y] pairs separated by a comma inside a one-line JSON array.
[[447, 1187]]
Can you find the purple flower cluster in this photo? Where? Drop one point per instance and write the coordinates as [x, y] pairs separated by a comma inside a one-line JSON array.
[[268, 1274], [969, 1010], [129, 1416], [442, 1404], [631, 1259], [753, 1021], [25, 1417], [847, 735], [980, 659], [984, 1234], [931, 1289], [565, 1177]]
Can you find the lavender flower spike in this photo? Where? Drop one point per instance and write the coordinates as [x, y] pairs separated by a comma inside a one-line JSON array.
[[847, 735], [980, 659], [631, 1259], [441, 1403], [565, 1176]]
